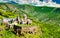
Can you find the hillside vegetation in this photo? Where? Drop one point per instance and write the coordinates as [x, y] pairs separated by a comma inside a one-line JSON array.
[[47, 18]]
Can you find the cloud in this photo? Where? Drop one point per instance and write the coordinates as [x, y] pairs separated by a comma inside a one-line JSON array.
[[33, 2]]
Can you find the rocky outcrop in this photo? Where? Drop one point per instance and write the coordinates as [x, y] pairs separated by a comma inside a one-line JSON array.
[[25, 20], [22, 30]]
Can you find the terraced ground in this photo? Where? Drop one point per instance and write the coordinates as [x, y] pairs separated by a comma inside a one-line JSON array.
[[47, 18]]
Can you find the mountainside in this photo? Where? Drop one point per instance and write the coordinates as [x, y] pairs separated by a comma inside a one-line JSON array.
[[48, 18], [43, 14]]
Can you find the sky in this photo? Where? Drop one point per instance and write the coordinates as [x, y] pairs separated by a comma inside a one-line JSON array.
[[57, 1]]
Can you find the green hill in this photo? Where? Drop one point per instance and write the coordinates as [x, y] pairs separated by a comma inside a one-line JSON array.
[[47, 18]]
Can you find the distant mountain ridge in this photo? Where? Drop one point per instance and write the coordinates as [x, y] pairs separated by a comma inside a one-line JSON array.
[[12, 2]]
